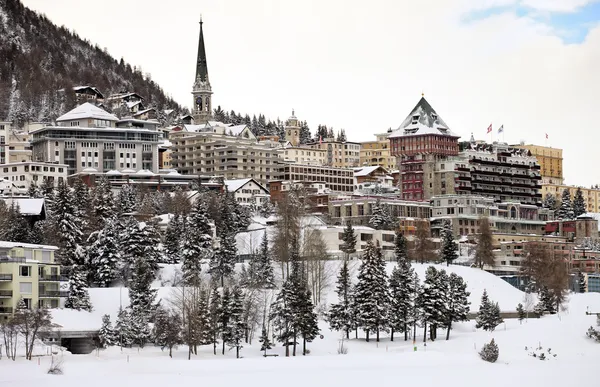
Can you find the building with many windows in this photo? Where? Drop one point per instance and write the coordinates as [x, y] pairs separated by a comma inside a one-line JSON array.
[[24, 174], [591, 196], [28, 272], [89, 137], [339, 180], [550, 161], [339, 154], [378, 152]]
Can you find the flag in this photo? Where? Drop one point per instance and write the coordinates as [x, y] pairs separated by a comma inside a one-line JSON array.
[[546, 136], [501, 129], [320, 139], [489, 129]]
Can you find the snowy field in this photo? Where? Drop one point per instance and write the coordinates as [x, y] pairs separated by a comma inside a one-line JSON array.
[[453, 363]]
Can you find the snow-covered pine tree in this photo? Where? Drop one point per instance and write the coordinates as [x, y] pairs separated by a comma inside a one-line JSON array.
[[348, 240], [340, 315], [78, 297], [448, 249], [152, 251], [265, 342], [132, 246], [371, 296], [14, 227], [105, 254], [578, 204], [400, 247], [225, 317], [123, 328], [141, 300], [107, 335], [197, 244], [549, 202], [34, 191], [127, 199], [432, 301], [565, 211], [521, 313], [222, 262], [103, 202], [283, 313], [489, 352], [402, 297], [547, 302], [266, 209], [261, 268], [457, 301], [214, 310], [67, 224], [167, 329], [380, 217], [581, 282], [307, 324], [83, 204], [488, 316], [233, 334], [173, 239]]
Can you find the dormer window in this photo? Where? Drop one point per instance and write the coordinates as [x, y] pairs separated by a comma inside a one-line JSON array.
[[415, 119]]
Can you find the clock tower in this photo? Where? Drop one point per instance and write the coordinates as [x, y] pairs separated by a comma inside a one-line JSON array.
[[202, 92]]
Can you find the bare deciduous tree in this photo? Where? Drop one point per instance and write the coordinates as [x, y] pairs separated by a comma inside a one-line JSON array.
[[315, 256], [422, 245], [484, 252], [289, 210], [9, 336], [31, 323]]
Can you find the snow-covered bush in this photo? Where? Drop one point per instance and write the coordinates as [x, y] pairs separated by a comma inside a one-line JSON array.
[[594, 333], [489, 352], [539, 353]]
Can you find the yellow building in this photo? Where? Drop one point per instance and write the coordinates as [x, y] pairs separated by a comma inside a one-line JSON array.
[[591, 196], [338, 154], [378, 153], [550, 160], [29, 272], [304, 155]]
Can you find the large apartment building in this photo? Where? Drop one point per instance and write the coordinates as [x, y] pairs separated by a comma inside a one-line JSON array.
[[550, 161], [378, 152], [340, 154], [23, 174], [28, 272], [422, 140], [591, 196], [340, 180], [217, 149], [88, 137]]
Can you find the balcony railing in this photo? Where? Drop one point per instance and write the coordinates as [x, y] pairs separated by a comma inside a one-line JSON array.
[[6, 293], [53, 294], [52, 278], [5, 277], [5, 310]]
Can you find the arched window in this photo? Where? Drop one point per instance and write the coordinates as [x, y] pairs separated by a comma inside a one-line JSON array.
[[513, 213]]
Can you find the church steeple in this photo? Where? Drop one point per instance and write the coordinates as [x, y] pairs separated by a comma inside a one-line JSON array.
[[202, 104]]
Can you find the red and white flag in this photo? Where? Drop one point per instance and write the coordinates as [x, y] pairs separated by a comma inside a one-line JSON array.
[[320, 139], [489, 129]]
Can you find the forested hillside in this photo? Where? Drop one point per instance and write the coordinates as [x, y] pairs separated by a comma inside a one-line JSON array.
[[38, 58]]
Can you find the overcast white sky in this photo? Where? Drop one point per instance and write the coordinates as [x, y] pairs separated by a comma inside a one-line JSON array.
[[531, 65]]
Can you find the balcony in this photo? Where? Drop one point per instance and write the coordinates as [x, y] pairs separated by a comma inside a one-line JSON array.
[[5, 310], [6, 293], [5, 277], [53, 294], [52, 278]]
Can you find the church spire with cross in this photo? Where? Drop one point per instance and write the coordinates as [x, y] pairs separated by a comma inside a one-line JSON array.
[[202, 104]]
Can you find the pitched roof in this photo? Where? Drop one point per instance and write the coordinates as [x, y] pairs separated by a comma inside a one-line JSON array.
[[365, 171], [423, 119], [201, 65], [27, 206], [236, 184], [87, 110]]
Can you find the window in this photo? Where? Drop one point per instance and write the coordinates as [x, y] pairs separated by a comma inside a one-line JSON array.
[[27, 302], [25, 288], [25, 271]]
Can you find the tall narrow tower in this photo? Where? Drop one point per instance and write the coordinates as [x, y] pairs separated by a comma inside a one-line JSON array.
[[202, 104]]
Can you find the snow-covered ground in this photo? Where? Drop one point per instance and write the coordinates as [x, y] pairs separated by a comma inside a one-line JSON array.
[[454, 362]]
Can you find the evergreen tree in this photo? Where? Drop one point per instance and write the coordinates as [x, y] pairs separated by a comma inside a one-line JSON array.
[[222, 262], [167, 330], [488, 316], [83, 204], [266, 209], [261, 267], [348, 240], [225, 317], [402, 297], [449, 249], [132, 244], [565, 211], [127, 199], [233, 333], [340, 315], [105, 254], [521, 313], [432, 303], [152, 252], [103, 202], [400, 248], [14, 227], [549, 202], [581, 282], [141, 300], [107, 335], [214, 318], [457, 301], [123, 328], [380, 217], [197, 245], [305, 135], [371, 295], [78, 298], [341, 137], [284, 309], [265, 342], [306, 319], [67, 225], [484, 251], [489, 352], [34, 191], [173, 239], [578, 204]]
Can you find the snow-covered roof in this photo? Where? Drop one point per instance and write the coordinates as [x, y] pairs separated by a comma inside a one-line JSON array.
[[143, 112], [593, 215], [236, 184], [87, 110], [365, 171], [423, 119], [132, 104], [113, 172], [89, 169], [165, 144], [10, 245], [236, 130], [27, 206], [144, 172]]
